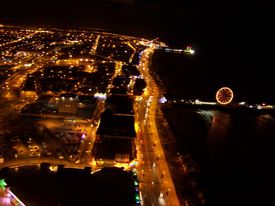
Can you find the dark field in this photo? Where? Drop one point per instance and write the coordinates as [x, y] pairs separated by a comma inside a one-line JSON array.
[[71, 187]]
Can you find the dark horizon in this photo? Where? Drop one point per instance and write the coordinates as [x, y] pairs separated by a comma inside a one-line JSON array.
[[234, 43], [177, 21]]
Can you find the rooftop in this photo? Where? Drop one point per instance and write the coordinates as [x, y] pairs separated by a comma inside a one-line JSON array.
[[116, 125], [120, 104]]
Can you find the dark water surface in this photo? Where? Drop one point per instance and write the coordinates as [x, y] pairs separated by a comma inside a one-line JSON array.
[[241, 155], [236, 154], [234, 150]]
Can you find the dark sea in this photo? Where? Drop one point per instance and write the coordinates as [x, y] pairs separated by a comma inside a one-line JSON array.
[[234, 47], [234, 150]]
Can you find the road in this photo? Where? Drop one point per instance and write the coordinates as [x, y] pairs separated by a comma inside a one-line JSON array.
[[156, 183], [20, 39], [38, 161]]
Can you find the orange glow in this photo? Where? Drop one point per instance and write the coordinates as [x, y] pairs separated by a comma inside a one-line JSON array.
[[136, 127], [224, 95]]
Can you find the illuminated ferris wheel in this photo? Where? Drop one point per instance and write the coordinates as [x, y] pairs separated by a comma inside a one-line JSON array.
[[224, 95]]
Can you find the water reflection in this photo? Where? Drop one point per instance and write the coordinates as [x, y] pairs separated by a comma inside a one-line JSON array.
[[218, 130], [264, 121]]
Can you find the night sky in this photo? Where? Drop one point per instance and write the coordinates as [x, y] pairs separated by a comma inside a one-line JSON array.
[[233, 38], [247, 23]]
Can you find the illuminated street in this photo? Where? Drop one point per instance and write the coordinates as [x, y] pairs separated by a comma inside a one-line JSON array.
[[153, 170]]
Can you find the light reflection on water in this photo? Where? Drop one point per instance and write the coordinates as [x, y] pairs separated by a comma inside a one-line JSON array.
[[264, 121], [218, 130], [240, 155]]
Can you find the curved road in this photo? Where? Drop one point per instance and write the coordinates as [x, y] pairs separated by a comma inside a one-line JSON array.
[[157, 186]]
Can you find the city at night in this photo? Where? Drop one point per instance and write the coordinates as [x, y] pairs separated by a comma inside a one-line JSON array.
[[137, 102]]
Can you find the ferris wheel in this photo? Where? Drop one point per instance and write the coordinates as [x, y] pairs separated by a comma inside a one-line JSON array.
[[224, 95]]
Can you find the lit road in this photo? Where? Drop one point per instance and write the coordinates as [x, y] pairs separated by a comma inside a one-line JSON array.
[[157, 186], [20, 39], [86, 146], [9, 90], [39, 160]]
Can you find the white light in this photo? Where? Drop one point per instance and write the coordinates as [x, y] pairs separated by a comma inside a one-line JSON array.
[[100, 96], [242, 103], [197, 101], [162, 100]]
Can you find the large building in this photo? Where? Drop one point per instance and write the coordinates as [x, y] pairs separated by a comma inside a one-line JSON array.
[[120, 104], [68, 104], [115, 139]]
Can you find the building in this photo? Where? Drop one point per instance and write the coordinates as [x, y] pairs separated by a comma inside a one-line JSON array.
[[120, 104], [139, 87], [68, 104], [115, 142], [116, 126]]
